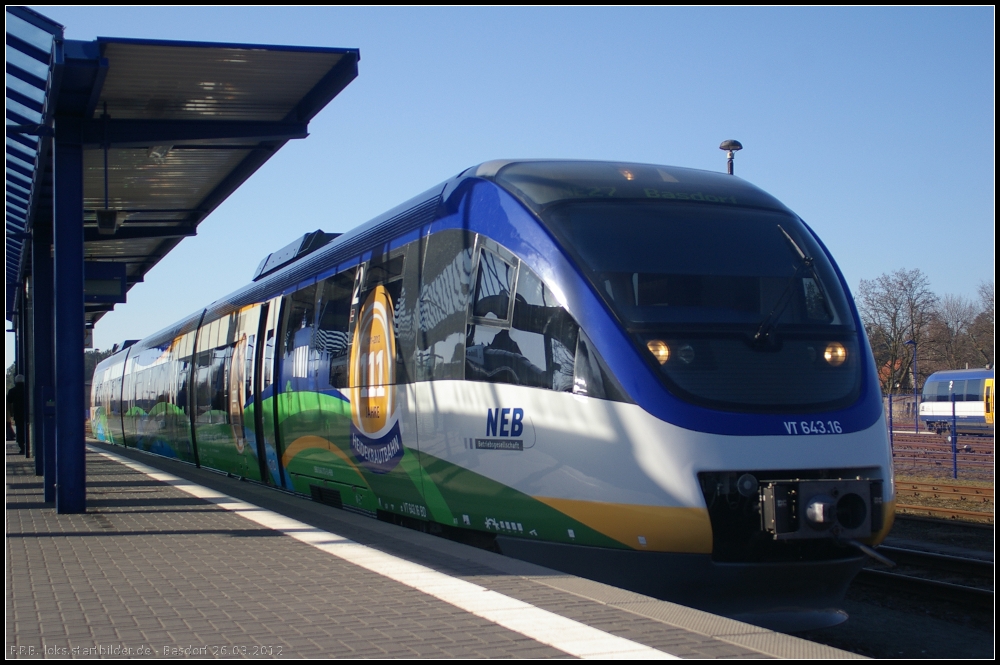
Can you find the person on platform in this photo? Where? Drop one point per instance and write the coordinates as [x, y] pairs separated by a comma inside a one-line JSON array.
[[15, 409]]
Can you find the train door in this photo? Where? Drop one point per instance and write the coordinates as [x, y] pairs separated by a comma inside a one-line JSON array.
[[294, 383], [179, 423], [383, 432], [441, 395], [127, 404], [240, 403], [988, 401], [210, 395], [116, 427], [266, 393], [254, 418]]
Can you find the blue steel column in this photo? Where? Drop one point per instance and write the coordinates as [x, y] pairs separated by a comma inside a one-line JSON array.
[[17, 324], [69, 318], [43, 413]]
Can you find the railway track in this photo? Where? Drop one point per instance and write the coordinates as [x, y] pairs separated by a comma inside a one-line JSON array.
[[973, 455], [964, 580], [945, 491], [912, 498], [944, 513]]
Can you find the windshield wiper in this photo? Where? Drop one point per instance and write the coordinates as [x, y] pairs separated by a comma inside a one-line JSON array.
[[769, 323]]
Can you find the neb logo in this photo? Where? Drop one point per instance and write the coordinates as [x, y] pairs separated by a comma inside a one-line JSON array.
[[504, 422]]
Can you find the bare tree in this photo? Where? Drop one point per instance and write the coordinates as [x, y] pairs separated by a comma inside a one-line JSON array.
[[950, 345], [983, 328], [896, 308]]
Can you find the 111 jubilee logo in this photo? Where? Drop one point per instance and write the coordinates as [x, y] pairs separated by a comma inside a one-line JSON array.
[[375, 436]]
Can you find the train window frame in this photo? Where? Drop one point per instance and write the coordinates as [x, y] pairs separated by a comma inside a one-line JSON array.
[[599, 382], [484, 244], [441, 322], [336, 375]]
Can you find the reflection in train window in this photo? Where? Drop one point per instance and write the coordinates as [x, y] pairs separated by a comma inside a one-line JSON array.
[[536, 349], [445, 290], [332, 341], [494, 281]]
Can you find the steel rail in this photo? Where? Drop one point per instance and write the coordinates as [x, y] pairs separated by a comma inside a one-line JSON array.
[[950, 513], [945, 491], [965, 595], [937, 561]]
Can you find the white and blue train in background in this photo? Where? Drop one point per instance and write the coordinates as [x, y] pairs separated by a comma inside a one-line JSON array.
[[973, 396]]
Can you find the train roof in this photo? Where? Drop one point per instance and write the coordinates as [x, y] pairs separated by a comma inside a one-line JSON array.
[[959, 374], [538, 183]]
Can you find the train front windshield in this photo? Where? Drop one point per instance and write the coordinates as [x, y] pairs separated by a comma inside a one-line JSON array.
[[738, 309]]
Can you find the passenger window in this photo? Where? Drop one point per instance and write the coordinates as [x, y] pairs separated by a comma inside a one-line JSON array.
[[536, 349], [540, 345], [332, 342], [494, 283], [974, 390], [387, 271], [445, 293], [591, 377], [545, 331], [299, 321]]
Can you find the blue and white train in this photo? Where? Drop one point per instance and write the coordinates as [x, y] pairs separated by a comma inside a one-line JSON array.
[[648, 375], [971, 390]]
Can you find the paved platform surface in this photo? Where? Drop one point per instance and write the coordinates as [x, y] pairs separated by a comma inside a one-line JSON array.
[[174, 561]]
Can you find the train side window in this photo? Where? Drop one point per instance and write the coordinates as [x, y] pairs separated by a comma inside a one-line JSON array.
[[387, 270], [300, 314], [544, 331], [495, 281], [443, 304], [203, 373], [591, 376], [536, 349], [974, 390], [958, 388], [116, 391], [541, 347], [332, 340], [220, 357]]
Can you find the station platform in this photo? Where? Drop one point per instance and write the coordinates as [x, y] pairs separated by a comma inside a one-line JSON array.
[[175, 561]]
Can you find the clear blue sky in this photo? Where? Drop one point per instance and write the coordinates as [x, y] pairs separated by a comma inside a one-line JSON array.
[[875, 125]]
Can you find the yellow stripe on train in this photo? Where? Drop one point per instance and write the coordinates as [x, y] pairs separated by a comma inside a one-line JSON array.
[[653, 528]]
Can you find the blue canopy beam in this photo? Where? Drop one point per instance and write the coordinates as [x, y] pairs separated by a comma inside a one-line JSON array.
[[145, 133], [127, 232]]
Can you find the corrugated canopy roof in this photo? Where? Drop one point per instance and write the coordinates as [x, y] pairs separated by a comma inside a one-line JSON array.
[[169, 130]]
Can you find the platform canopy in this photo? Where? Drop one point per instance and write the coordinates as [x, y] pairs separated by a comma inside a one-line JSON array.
[[168, 131]]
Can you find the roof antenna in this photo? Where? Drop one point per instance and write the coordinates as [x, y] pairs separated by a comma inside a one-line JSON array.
[[730, 146]]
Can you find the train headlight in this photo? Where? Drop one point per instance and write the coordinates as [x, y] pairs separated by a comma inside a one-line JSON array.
[[659, 349], [835, 354]]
